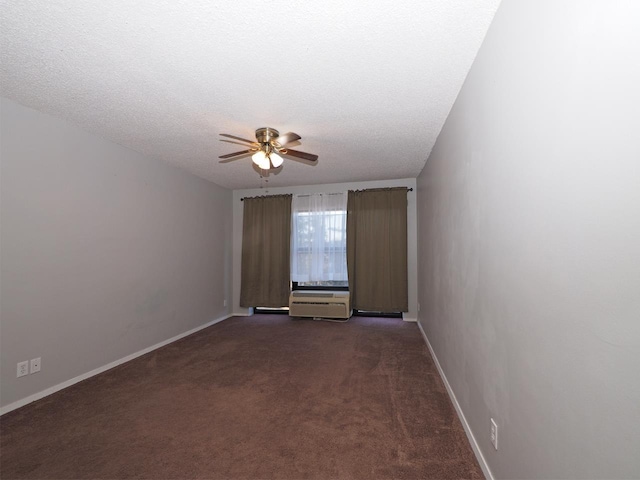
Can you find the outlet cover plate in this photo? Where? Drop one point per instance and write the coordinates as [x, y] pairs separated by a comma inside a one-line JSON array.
[[23, 369], [35, 365], [494, 434]]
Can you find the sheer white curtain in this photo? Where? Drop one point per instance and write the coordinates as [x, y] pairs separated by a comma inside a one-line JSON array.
[[319, 232]]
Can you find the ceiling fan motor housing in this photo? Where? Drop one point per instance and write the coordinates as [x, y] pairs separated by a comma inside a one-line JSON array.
[[266, 134]]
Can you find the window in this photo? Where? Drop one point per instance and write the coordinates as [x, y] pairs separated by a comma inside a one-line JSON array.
[[319, 240]]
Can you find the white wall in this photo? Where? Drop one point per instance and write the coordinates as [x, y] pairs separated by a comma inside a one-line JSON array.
[[104, 252], [412, 314], [529, 241]]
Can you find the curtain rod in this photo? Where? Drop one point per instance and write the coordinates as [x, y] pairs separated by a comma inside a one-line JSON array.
[[338, 193], [309, 194], [409, 189], [264, 196]]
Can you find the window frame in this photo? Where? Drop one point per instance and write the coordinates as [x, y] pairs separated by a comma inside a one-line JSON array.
[[328, 250]]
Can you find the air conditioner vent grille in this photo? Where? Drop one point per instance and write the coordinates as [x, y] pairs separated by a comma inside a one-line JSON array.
[[302, 293], [319, 304]]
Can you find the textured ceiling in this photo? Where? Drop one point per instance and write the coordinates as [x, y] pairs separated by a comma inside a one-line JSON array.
[[368, 85]]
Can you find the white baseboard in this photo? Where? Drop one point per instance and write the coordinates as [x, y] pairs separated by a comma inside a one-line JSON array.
[[472, 439], [84, 376]]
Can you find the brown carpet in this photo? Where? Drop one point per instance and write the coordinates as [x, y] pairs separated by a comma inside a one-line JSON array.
[[262, 397]]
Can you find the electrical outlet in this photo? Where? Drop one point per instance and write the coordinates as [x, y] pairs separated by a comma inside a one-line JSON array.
[[224, 304], [494, 434], [35, 365], [23, 368]]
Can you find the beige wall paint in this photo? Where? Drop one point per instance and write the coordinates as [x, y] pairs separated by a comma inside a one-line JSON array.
[[104, 252], [412, 314], [529, 241]]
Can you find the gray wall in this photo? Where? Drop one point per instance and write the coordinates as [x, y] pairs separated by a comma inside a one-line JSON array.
[[529, 241], [104, 252]]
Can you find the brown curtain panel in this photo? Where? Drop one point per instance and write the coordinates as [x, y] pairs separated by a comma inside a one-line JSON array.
[[377, 249], [266, 240]]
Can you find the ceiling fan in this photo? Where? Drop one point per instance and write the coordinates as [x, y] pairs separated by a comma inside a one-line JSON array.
[[267, 148]]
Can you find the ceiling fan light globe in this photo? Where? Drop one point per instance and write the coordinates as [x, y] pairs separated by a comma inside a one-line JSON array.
[[276, 160], [259, 158], [264, 164]]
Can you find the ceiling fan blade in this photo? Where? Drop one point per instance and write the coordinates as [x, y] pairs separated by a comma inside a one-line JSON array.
[[238, 143], [237, 138], [288, 138], [295, 153], [229, 155]]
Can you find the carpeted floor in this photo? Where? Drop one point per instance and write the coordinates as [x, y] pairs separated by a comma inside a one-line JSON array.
[[262, 397]]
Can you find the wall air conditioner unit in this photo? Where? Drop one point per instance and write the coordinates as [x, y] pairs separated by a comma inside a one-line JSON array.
[[319, 303]]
